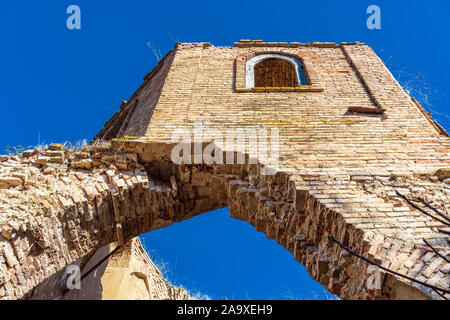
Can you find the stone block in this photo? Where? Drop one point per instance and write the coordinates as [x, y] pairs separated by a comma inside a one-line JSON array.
[[7, 182], [42, 160], [443, 173], [56, 147], [82, 164]]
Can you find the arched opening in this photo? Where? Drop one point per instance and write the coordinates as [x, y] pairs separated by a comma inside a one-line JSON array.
[[234, 262], [274, 70], [114, 206]]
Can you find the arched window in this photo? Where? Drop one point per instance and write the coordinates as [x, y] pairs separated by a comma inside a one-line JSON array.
[[274, 70]]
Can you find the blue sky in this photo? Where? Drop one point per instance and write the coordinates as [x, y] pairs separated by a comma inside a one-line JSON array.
[[220, 257], [59, 84]]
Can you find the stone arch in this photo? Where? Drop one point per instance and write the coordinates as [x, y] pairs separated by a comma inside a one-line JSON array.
[[111, 196]]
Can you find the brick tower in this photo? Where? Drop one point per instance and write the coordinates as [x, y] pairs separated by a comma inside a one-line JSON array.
[[360, 164]]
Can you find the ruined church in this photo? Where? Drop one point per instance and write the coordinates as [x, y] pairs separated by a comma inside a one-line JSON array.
[[354, 182]]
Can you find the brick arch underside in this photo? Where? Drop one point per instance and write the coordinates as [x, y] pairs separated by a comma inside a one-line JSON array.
[[76, 211]]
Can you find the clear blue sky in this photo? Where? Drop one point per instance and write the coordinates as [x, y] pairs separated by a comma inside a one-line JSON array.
[[59, 85]]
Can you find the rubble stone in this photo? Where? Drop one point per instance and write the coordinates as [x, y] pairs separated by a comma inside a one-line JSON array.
[[7, 182], [443, 174], [56, 147]]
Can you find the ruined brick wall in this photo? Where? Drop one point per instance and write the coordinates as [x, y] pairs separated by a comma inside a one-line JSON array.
[[134, 115], [57, 213], [132, 275], [128, 274], [58, 205], [77, 211], [354, 125], [348, 141]]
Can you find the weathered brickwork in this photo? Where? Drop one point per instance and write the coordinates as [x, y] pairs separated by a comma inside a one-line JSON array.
[[128, 274], [61, 211], [348, 143], [132, 275]]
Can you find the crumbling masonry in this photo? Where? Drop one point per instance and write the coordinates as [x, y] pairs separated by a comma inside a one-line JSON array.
[[349, 141]]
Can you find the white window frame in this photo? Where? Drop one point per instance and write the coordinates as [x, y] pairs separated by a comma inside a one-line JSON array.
[[251, 63]]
